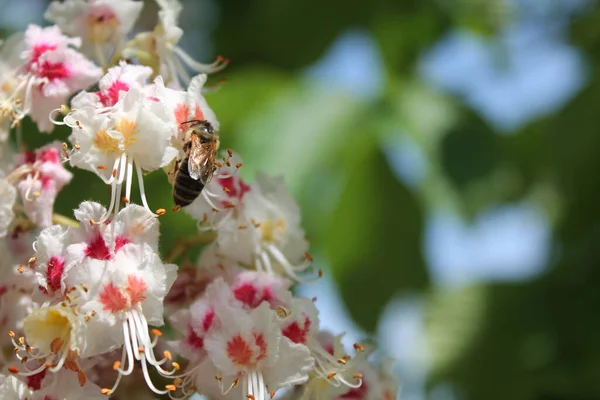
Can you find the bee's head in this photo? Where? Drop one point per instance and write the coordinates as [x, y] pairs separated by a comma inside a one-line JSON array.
[[202, 128]]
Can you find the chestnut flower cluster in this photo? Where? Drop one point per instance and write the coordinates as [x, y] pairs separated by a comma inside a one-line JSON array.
[[82, 299]]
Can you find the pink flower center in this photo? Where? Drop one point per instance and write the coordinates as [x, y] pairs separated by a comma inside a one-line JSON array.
[[249, 295], [49, 156], [120, 241], [97, 249], [40, 49], [297, 333], [194, 340], [182, 114], [242, 353], [208, 320], [239, 351], [35, 381], [53, 71], [110, 96], [229, 186], [114, 299], [55, 268]]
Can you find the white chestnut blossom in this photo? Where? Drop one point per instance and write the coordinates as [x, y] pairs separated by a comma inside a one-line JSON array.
[[264, 230], [45, 177], [135, 134], [248, 347], [61, 386], [82, 299], [160, 49], [51, 70], [99, 23], [113, 86]]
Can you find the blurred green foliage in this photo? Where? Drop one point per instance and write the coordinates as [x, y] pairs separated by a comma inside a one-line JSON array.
[[535, 340]]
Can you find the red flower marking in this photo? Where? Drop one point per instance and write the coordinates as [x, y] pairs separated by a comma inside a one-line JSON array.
[[239, 351], [40, 49], [198, 114], [233, 192], [357, 393], [249, 295], [55, 267], [208, 320], [53, 71], [296, 333], [35, 381], [97, 249], [193, 339], [329, 349], [136, 289], [3, 290], [113, 299], [29, 157], [182, 114], [262, 345], [120, 241], [50, 155], [110, 96]]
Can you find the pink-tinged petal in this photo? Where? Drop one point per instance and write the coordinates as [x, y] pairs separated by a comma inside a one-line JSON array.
[[54, 273], [193, 340], [112, 299], [110, 96], [120, 241], [297, 333], [239, 351], [136, 289], [97, 249]]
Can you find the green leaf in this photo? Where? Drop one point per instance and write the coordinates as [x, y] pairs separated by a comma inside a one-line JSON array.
[[374, 236]]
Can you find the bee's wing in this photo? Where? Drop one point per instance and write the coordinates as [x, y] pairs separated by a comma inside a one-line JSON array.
[[195, 158], [209, 152]]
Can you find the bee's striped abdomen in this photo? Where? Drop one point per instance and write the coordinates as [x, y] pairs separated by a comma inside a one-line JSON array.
[[185, 189]]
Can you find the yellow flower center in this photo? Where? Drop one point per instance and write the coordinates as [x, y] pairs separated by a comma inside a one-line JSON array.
[[105, 142], [44, 325], [268, 229], [128, 129]]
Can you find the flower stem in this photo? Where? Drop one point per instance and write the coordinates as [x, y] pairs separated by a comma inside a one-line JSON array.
[[62, 220]]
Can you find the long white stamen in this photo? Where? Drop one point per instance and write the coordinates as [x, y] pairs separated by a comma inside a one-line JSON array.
[[262, 394], [122, 168], [210, 203], [289, 269], [250, 386], [266, 262], [199, 67], [128, 348], [129, 179], [148, 380], [142, 190], [181, 71]]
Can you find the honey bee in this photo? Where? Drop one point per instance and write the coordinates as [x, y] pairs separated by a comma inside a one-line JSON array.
[[201, 143]]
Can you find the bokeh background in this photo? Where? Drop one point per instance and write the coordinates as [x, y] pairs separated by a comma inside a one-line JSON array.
[[445, 154]]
